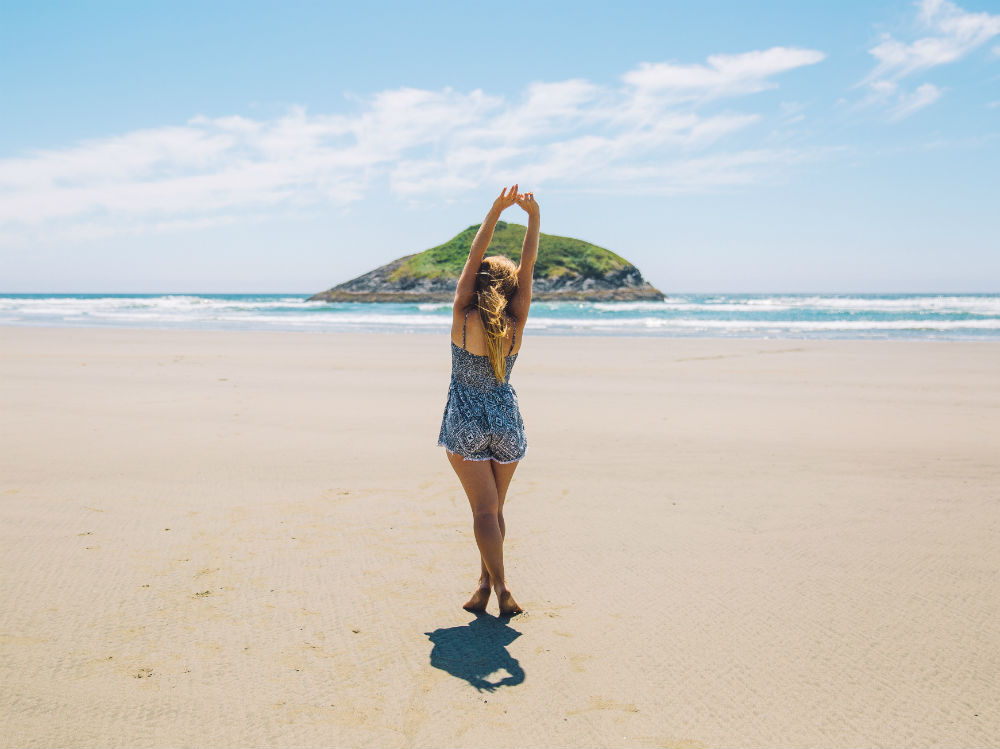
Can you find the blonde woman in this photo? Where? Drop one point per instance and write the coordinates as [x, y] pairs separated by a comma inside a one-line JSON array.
[[482, 430]]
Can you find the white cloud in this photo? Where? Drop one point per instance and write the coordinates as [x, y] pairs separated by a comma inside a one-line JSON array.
[[791, 112], [907, 104], [954, 33], [548, 106], [567, 134], [712, 172], [725, 75]]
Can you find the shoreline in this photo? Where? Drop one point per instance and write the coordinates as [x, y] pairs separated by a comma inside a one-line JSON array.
[[531, 334]]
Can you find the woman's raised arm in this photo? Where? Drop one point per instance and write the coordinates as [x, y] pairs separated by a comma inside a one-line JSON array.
[[466, 289], [521, 302]]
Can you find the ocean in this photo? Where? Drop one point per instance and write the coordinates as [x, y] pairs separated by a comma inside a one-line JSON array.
[[871, 316]]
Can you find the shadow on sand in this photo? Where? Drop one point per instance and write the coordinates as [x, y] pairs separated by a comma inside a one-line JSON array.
[[476, 651]]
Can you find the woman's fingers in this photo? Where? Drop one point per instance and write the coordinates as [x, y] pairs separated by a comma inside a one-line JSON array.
[[523, 199]]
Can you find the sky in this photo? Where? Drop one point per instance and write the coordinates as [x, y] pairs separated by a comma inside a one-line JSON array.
[[243, 147]]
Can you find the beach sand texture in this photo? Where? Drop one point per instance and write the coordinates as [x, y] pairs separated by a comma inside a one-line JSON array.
[[251, 539]]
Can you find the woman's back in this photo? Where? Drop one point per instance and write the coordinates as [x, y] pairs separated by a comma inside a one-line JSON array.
[[475, 335], [475, 371]]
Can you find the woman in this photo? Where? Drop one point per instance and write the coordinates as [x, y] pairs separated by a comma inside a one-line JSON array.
[[482, 429]]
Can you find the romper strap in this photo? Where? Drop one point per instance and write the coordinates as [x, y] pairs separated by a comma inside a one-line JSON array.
[[463, 326], [513, 340]]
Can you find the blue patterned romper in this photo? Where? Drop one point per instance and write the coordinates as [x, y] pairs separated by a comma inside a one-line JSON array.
[[482, 420]]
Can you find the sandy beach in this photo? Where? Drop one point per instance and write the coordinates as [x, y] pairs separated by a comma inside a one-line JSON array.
[[251, 539]]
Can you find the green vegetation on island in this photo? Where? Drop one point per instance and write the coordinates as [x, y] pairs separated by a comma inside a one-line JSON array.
[[557, 256], [566, 269]]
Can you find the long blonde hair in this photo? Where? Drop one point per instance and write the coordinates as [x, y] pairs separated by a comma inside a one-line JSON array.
[[496, 282]]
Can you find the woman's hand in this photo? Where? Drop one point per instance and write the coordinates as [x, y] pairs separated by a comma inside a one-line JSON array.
[[527, 202], [465, 291], [507, 198]]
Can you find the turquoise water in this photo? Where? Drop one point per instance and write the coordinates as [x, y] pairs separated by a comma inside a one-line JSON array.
[[893, 316]]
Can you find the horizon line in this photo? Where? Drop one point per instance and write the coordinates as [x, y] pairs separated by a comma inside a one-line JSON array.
[[310, 293]]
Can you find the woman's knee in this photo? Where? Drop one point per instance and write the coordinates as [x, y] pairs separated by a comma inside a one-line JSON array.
[[485, 505]]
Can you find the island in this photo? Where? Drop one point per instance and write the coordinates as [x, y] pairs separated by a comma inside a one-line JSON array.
[[567, 269]]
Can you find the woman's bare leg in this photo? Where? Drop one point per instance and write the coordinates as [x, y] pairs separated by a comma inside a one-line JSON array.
[[502, 474], [480, 486]]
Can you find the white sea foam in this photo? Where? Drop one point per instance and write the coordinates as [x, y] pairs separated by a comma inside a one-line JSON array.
[[976, 305], [681, 323], [723, 315], [170, 302]]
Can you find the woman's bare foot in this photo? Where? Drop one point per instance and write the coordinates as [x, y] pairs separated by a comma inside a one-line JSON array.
[[479, 599], [508, 606]]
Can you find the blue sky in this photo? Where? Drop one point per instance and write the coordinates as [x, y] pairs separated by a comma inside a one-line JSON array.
[[286, 147]]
